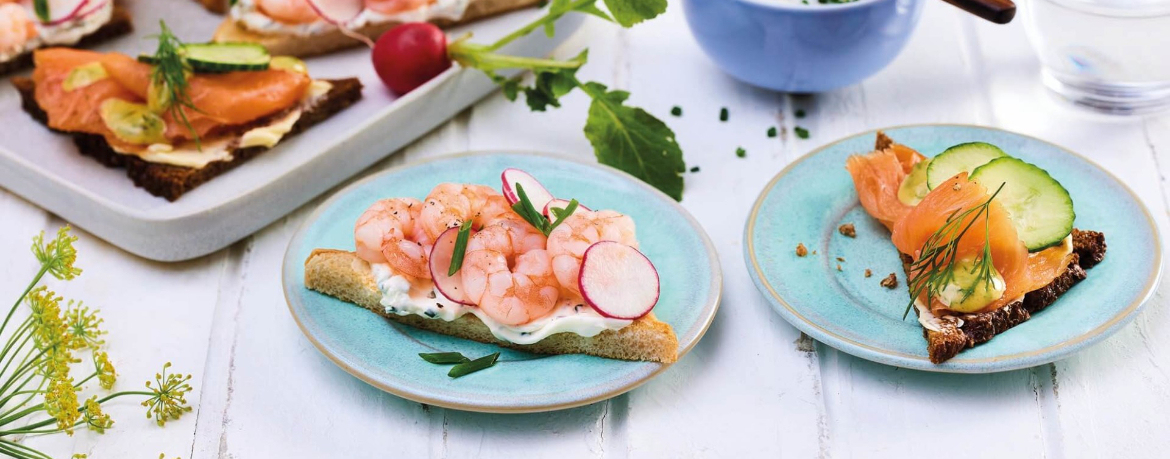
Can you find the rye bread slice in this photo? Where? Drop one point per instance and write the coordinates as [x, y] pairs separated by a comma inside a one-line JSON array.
[[118, 25], [976, 329], [170, 181]]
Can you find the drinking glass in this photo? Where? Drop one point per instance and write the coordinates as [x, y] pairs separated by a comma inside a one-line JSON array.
[[1111, 56]]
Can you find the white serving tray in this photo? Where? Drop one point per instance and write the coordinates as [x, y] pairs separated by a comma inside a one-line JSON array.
[[46, 168]]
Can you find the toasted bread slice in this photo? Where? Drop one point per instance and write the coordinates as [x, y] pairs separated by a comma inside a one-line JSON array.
[[118, 25], [343, 275], [170, 181], [297, 45]]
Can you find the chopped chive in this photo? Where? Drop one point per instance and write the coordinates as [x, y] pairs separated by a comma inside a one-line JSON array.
[[801, 132], [676, 111], [460, 248], [723, 114], [466, 368], [695, 169], [526, 210], [562, 214], [772, 131], [800, 113], [740, 152], [444, 358]]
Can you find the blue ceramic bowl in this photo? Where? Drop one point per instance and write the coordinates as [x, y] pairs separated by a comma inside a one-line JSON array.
[[802, 48]]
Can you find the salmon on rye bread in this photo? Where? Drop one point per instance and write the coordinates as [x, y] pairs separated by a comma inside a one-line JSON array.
[[984, 236]]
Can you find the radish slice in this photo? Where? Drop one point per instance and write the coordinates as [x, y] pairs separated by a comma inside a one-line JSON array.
[[618, 281], [62, 11], [92, 7], [536, 192], [337, 12], [440, 262], [558, 204]]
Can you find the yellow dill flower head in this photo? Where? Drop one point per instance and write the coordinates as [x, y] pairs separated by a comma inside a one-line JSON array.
[[61, 403], [84, 327], [79, 456], [105, 370], [49, 328], [94, 418], [170, 396], [58, 255]]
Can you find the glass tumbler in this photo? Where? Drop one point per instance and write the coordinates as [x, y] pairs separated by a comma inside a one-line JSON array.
[[1111, 56]]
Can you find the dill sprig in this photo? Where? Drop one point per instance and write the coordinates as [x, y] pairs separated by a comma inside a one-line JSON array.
[[935, 267], [170, 73]]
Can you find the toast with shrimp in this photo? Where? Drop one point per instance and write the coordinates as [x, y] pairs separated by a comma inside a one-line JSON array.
[[986, 240], [471, 262], [296, 28], [86, 27], [104, 102]]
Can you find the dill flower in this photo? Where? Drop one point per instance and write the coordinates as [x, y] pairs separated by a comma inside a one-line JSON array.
[[58, 255], [61, 403], [170, 396], [84, 327], [104, 369], [49, 328], [94, 418]]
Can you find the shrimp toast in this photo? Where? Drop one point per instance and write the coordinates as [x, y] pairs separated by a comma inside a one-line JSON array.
[[334, 39], [986, 240], [118, 25], [345, 276]]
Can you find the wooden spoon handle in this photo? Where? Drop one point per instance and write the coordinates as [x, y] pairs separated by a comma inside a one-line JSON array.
[[997, 11]]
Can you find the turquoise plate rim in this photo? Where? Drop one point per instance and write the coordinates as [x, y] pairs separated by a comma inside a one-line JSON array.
[[958, 364], [687, 340]]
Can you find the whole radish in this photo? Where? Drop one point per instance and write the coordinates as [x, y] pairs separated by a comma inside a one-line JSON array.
[[409, 55]]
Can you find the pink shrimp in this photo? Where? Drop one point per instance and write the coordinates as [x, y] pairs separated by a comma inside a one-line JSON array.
[[395, 6], [16, 27], [388, 232], [567, 243], [508, 275], [450, 204], [289, 11]]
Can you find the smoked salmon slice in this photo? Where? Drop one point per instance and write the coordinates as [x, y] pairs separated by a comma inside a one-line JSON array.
[[222, 100], [877, 176]]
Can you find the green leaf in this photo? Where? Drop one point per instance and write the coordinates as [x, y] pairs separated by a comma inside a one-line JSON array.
[[444, 358], [633, 140], [552, 84], [630, 12], [460, 248], [466, 368], [591, 8], [41, 8]]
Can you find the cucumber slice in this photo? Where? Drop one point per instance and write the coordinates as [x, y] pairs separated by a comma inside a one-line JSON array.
[[1040, 208], [221, 57], [913, 187], [964, 157], [226, 57]]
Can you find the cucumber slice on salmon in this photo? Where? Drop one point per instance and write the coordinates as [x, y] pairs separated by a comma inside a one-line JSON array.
[[222, 57], [964, 157], [1040, 208]]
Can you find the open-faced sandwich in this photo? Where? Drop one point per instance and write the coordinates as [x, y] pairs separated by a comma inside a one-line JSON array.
[[519, 269], [311, 27], [28, 25], [986, 239], [182, 116]]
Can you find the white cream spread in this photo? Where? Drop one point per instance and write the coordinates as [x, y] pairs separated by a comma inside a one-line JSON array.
[[64, 34], [249, 16], [930, 321], [210, 150], [580, 319]]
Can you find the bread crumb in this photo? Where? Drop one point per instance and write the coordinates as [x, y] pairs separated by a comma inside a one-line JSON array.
[[868, 272], [801, 250], [847, 230], [838, 267], [841, 259], [814, 252], [890, 282]]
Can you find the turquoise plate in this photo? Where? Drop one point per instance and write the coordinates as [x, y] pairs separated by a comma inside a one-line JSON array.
[[807, 201], [385, 354]]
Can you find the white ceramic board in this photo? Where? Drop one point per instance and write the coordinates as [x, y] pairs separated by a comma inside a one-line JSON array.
[[46, 168]]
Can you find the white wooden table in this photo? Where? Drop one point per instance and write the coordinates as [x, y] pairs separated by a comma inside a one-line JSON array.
[[753, 387]]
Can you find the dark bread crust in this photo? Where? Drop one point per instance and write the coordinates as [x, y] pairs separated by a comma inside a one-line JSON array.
[[171, 182], [1088, 250], [215, 6], [119, 24]]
